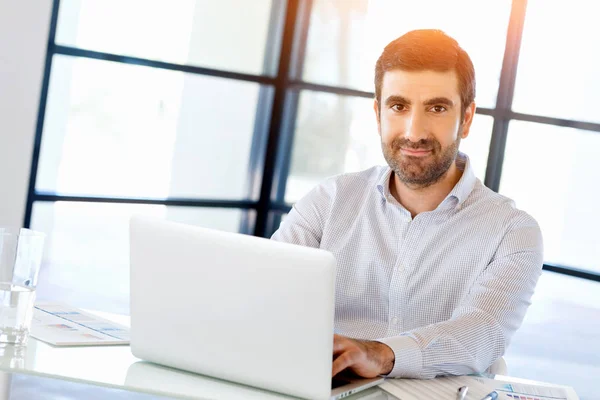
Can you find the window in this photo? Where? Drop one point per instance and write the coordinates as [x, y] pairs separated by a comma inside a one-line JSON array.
[[121, 130], [558, 70], [345, 38], [165, 113], [552, 173], [202, 33], [334, 134], [205, 120]]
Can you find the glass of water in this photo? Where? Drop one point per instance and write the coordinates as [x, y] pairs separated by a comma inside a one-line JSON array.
[[20, 258]]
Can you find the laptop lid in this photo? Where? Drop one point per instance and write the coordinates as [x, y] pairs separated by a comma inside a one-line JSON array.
[[232, 306]]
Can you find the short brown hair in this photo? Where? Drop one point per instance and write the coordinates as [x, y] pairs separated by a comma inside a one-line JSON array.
[[428, 49]]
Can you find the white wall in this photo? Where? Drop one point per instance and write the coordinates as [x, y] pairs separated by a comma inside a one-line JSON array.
[[24, 29]]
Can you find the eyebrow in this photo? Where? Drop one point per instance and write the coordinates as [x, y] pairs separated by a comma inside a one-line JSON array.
[[439, 100], [394, 99]]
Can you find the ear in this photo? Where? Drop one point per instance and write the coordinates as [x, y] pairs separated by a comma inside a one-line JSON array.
[[469, 114], [377, 116]]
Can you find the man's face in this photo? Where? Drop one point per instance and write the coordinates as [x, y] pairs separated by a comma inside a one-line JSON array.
[[419, 121]]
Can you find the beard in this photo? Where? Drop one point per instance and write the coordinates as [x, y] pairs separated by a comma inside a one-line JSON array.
[[420, 172]]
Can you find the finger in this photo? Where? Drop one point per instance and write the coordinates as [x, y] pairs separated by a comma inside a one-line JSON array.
[[340, 344], [341, 363], [340, 350]]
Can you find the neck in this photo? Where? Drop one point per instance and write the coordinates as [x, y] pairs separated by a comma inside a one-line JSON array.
[[421, 199]]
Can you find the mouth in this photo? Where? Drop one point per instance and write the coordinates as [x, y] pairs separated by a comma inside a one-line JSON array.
[[415, 152]]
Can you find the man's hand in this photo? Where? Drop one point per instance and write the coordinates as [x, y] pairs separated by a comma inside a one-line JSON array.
[[363, 357]]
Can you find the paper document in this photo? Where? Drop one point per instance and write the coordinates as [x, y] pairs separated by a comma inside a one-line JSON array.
[[479, 387], [62, 325], [438, 388]]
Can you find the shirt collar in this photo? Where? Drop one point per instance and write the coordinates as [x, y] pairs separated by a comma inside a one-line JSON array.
[[465, 185], [460, 192], [383, 183]]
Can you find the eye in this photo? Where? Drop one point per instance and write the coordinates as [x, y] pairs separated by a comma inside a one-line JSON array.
[[438, 109], [398, 107]]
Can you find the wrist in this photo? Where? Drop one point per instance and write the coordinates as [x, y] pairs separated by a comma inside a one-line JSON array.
[[387, 358]]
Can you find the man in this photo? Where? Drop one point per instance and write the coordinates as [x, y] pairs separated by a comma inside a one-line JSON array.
[[435, 271]]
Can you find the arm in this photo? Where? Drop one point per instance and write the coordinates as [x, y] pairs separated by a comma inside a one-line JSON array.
[[480, 329], [306, 221]]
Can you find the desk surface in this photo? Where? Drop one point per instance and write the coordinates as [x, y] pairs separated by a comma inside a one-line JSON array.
[[116, 367], [17, 386]]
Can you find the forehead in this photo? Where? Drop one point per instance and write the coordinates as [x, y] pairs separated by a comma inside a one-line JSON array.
[[420, 85]]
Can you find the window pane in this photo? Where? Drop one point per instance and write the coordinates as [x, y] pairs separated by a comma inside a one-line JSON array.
[[87, 247], [558, 68], [552, 173], [346, 38], [477, 144], [337, 134], [275, 220], [334, 134], [204, 32], [115, 129], [561, 307]]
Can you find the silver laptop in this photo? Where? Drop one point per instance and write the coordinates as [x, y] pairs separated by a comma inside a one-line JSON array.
[[235, 307]]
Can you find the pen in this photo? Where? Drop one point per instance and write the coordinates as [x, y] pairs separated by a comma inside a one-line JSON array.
[[491, 396], [462, 392]]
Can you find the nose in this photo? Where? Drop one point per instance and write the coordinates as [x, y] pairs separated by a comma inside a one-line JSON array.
[[415, 128]]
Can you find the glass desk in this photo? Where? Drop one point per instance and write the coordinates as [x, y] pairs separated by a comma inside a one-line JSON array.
[[115, 368], [17, 386]]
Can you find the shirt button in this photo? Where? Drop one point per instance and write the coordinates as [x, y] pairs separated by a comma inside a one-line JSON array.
[[399, 268], [395, 320]]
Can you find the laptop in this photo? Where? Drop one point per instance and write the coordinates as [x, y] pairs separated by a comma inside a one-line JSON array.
[[235, 307]]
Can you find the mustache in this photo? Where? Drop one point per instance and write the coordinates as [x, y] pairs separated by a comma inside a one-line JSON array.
[[423, 144]]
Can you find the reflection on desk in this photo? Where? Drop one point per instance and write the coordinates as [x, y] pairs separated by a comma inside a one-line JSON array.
[[149, 377], [155, 378], [17, 386]]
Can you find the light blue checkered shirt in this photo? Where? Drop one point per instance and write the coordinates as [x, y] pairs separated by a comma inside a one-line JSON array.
[[446, 290]]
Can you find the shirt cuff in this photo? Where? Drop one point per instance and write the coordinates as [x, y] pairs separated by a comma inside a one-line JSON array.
[[409, 359]]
